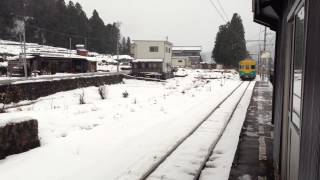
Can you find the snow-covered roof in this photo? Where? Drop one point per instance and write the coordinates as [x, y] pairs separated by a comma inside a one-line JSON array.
[[93, 59], [148, 60], [187, 48], [122, 57], [14, 58], [266, 55], [106, 58], [3, 64], [65, 56]]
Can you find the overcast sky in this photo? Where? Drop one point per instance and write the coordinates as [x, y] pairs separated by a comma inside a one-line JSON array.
[[185, 22]]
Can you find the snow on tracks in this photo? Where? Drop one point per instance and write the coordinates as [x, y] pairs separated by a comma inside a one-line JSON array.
[[188, 157]]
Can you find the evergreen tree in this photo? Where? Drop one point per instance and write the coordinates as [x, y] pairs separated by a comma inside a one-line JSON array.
[[123, 46], [97, 33], [60, 21], [6, 19], [128, 46], [230, 44], [53, 22]]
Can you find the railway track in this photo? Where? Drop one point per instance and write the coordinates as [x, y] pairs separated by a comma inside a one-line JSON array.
[[156, 171]]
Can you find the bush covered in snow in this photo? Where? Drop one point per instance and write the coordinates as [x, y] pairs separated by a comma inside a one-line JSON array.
[[103, 92], [125, 94], [81, 98]]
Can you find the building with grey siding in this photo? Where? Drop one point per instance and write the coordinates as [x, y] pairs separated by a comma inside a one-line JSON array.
[[186, 56]]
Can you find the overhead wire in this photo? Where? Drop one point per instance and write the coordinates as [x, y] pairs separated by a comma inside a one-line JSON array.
[[223, 11], [217, 9]]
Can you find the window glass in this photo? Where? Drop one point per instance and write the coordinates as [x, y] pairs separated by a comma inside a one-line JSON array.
[[154, 49], [253, 67], [298, 63]]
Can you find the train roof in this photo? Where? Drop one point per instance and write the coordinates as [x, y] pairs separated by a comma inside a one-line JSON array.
[[247, 61]]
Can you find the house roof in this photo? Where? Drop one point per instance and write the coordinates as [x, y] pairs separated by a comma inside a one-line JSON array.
[[152, 41], [187, 48], [108, 59], [14, 58], [65, 56], [148, 60]]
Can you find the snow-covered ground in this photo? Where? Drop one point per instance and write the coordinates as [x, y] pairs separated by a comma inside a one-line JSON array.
[[115, 138], [220, 162], [184, 163]]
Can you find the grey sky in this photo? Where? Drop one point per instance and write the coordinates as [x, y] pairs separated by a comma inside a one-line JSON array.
[[185, 22]]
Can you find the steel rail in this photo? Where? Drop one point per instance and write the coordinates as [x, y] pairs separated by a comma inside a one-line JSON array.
[[154, 167], [214, 144]]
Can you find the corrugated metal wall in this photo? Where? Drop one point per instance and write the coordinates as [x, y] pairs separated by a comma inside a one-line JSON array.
[[281, 85], [310, 142]]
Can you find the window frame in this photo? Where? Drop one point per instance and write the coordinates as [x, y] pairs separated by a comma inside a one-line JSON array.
[[292, 113], [153, 49]]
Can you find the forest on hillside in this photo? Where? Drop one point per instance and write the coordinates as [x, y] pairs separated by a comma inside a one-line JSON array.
[[55, 22]]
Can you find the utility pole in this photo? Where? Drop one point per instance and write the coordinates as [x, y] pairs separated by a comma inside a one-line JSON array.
[[70, 44], [118, 24], [118, 54], [24, 49], [24, 41], [264, 51], [265, 38], [259, 60], [85, 43]]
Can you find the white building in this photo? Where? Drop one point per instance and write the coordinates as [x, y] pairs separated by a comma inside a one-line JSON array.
[[186, 56], [152, 58]]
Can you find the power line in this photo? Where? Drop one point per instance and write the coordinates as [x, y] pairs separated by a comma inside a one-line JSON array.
[[223, 11], [220, 14]]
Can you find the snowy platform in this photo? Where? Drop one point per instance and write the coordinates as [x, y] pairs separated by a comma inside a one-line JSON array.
[[254, 154]]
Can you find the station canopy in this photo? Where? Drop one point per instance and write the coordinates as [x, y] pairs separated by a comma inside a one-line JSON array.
[[267, 12]]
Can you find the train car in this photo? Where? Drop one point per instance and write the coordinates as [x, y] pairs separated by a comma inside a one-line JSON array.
[[247, 69]]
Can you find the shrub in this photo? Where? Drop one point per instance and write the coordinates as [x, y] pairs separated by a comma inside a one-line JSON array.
[[4, 99], [81, 98], [102, 92], [125, 94]]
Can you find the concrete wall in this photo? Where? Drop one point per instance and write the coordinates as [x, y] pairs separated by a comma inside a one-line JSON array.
[[34, 90], [18, 137]]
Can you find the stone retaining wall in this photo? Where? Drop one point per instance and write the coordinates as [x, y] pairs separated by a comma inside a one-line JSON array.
[[18, 137], [33, 90]]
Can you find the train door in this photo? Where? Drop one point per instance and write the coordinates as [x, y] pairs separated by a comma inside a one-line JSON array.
[[296, 92]]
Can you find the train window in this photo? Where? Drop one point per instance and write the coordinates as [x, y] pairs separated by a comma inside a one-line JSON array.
[[297, 67], [253, 66]]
